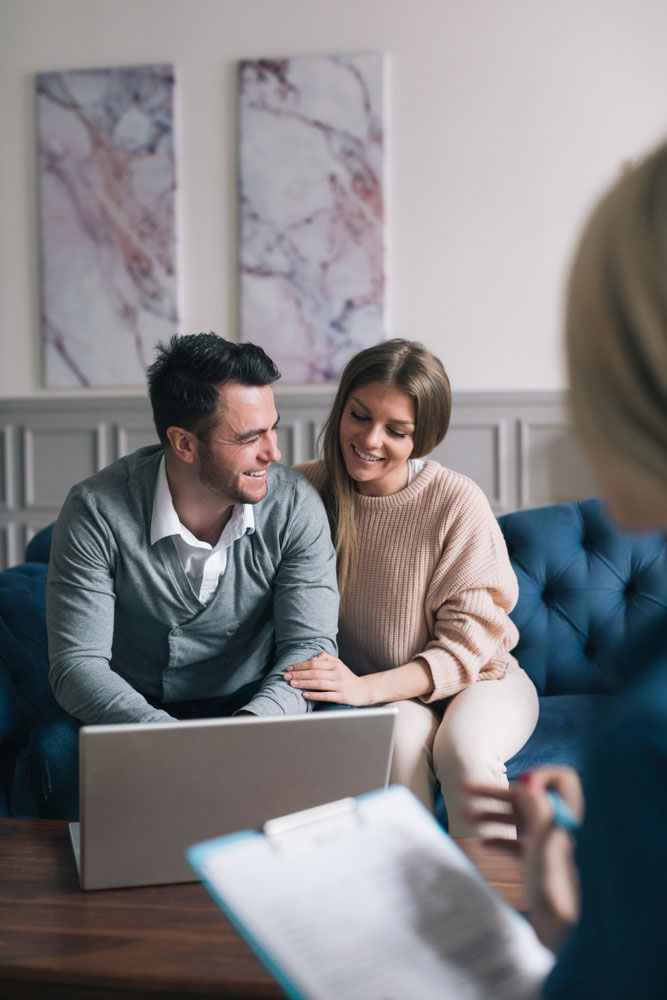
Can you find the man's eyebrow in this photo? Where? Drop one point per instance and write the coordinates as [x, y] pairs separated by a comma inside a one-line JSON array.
[[392, 420], [257, 432]]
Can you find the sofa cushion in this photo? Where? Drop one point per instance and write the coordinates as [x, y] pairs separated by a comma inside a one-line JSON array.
[[565, 723], [587, 592], [561, 737]]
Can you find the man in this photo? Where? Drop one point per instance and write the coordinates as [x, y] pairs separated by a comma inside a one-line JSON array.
[[185, 578]]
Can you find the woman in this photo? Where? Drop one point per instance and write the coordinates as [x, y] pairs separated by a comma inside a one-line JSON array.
[[599, 897], [426, 584]]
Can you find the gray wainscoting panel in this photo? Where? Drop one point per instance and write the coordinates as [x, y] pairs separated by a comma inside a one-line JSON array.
[[6, 469], [519, 447], [135, 431], [478, 449], [7, 551], [53, 456], [553, 469], [289, 439]]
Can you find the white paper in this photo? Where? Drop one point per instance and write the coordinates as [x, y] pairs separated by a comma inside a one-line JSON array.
[[377, 905]]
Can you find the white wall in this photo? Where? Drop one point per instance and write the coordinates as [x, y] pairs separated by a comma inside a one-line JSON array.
[[505, 118]]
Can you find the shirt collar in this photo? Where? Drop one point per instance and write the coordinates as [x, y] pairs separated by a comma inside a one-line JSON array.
[[165, 521]]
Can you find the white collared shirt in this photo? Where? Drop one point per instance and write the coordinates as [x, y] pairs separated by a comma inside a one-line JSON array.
[[204, 564]]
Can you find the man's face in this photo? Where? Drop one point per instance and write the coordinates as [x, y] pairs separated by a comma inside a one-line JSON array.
[[232, 463]]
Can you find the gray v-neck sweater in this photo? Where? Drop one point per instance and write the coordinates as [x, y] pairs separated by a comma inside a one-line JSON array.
[[124, 622]]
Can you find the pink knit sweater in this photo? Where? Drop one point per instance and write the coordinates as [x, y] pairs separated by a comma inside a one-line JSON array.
[[433, 581]]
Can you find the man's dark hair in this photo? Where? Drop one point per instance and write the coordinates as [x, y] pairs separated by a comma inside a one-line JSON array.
[[184, 379]]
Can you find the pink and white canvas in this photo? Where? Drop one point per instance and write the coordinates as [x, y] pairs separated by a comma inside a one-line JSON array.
[[107, 227], [312, 213]]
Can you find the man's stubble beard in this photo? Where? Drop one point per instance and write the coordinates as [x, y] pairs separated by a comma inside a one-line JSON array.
[[226, 487]]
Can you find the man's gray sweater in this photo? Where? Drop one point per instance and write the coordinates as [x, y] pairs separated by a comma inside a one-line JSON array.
[[124, 622]]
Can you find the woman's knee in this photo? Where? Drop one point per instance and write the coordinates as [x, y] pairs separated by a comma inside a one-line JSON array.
[[416, 726], [487, 723], [461, 754]]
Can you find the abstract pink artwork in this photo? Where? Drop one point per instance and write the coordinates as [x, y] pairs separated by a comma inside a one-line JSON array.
[[311, 178], [108, 245]]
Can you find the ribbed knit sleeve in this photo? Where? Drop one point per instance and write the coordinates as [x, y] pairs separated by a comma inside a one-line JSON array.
[[433, 581]]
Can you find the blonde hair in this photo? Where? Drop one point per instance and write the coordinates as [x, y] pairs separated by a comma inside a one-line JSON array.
[[401, 364], [616, 322]]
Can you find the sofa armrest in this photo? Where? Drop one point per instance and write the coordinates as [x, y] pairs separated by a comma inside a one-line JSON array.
[[25, 692], [38, 548]]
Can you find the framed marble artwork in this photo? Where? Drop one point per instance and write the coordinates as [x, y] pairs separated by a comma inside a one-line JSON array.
[[107, 181], [312, 210]]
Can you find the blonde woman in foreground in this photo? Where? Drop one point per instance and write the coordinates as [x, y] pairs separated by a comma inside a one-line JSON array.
[[426, 585], [599, 897]]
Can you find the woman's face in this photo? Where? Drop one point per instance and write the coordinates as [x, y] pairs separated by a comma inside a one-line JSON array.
[[376, 438]]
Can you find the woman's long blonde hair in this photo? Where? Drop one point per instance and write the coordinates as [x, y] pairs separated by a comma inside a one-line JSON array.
[[401, 364], [616, 323]]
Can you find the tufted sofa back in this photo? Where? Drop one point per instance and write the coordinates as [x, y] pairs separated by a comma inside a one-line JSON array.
[[588, 592]]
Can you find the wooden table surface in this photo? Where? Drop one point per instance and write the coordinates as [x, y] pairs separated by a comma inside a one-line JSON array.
[[59, 943]]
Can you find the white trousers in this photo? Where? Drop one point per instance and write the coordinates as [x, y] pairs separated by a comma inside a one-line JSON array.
[[481, 728]]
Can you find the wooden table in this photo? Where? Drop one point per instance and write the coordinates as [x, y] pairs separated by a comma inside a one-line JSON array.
[[59, 943]]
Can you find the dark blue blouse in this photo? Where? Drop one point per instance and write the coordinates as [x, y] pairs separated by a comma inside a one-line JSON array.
[[618, 951]]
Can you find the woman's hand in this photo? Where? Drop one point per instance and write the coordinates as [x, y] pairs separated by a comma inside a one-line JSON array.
[[326, 678], [547, 850]]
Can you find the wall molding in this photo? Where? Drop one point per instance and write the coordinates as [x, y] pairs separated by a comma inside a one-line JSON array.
[[518, 446]]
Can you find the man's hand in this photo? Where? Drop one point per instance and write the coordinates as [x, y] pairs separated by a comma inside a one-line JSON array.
[[326, 678]]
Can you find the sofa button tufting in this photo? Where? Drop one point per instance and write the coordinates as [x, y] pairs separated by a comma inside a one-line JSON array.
[[547, 596], [587, 544], [630, 590], [589, 650]]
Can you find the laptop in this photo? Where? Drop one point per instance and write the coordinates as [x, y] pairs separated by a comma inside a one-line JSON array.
[[150, 790]]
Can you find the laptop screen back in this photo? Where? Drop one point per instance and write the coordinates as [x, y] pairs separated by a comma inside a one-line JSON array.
[[149, 791]]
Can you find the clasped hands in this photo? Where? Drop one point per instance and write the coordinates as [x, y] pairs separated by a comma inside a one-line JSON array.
[[326, 678]]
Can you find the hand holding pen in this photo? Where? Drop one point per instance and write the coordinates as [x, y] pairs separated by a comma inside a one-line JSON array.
[[546, 806], [547, 796]]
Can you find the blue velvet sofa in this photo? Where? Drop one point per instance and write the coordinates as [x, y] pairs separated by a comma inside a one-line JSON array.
[[592, 606], [25, 694], [588, 594]]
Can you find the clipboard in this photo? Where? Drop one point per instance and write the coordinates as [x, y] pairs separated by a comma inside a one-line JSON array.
[[369, 899]]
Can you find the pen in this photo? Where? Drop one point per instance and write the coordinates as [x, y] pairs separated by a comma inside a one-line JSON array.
[[562, 814]]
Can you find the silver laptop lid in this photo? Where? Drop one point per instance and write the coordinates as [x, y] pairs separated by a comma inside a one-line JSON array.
[[148, 791]]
